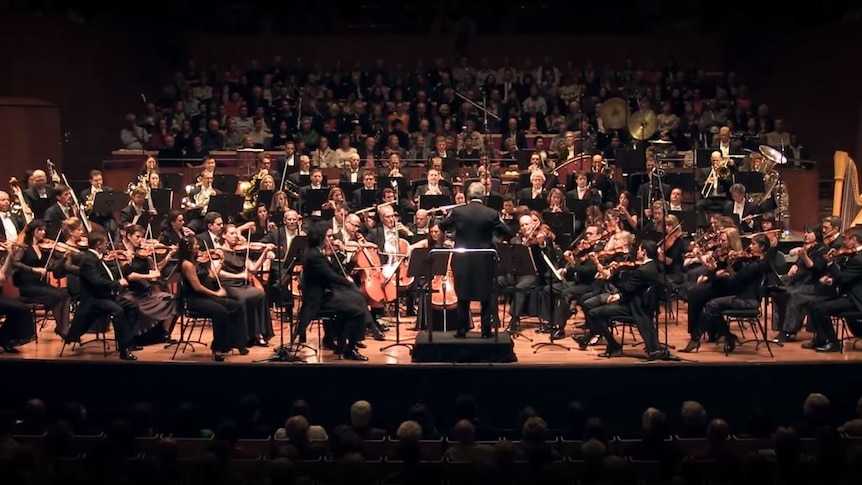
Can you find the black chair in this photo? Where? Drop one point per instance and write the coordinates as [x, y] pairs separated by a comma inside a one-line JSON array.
[[843, 333], [651, 303], [100, 336], [754, 318], [189, 320]]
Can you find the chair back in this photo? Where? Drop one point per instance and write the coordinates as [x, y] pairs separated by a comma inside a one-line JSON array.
[[651, 299]]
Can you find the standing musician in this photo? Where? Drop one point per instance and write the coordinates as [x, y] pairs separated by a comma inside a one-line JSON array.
[[801, 285], [474, 226], [235, 272], [743, 276], [39, 188], [137, 207], [88, 197], [63, 209], [845, 275], [18, 325], [99, 288], [204, 294], [627, 301], [325, 289], [537, 188], [141, 270], [31, 276], [10, 224]]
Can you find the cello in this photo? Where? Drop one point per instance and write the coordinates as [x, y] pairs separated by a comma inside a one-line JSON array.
[[375, 285], [443, 295], [397, 251]]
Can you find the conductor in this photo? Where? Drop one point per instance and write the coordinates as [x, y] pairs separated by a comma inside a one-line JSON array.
[[474, 225]]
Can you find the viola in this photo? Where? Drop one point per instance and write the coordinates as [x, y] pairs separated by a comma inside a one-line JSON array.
[[58, 247]]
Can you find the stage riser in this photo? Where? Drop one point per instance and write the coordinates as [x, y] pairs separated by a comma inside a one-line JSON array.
[[443, 347], [614, 391]]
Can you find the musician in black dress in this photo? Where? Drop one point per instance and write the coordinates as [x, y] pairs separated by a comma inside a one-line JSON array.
[[475, 225], [206, 296], [325, 289], [18, 325], [142, 271], [235, 272], [99, 290], [31, 275]]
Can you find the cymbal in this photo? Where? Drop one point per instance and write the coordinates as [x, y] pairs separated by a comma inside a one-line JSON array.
[[613, 113], [642, 124], [660, 142]]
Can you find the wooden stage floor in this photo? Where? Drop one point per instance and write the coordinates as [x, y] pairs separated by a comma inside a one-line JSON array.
[[49, 344]]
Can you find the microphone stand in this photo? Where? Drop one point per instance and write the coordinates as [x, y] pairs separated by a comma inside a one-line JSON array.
[[485, 114]]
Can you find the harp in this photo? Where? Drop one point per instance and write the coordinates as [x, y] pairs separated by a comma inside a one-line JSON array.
[[847, 200]]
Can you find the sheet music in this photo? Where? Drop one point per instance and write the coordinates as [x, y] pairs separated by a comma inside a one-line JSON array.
[[551, 266]]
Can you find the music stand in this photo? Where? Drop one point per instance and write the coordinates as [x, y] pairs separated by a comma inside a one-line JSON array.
[[264, 197], [495, 202], [144, 221], [314, 200], [368, 198], [578, 208], [562, 224], [228, 205], [173, 181], [108, 202], [551, 318], [161, 200], [629, 161], [538, 205], [702, 158], [431, 201], [752, 181], [226, 182], [400, 184], [295, 254], [688, 221], [516, 260], [350, 187]]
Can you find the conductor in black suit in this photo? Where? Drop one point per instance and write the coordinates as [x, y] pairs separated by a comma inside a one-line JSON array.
[[99, 288], [324, 288], [474, 226]]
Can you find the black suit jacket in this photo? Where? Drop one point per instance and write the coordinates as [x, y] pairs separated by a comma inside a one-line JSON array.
[[849, 280], [54, 216], [634, 283], [128, 213], [318, 281], [746, 282], [31, 195], [95, 281], [527, 194], [345, 176], [747, 209], [475, 226], [205, 240], [18, 221]]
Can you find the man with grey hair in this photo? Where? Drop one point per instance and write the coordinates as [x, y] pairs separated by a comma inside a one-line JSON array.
[[474, 225]]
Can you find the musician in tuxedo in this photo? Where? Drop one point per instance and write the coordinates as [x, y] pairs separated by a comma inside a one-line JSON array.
[[200, 196], [831, 227], [105, 220], [327, 289], [138, 206], [845, 275], [744, 280], [605, 185], [369, 182], [315, 183], [10, 224], [352, 173], [475, 226], [448, 158], [627, 300], [304, 169], [39, 188], [211, 238], [433, 187], [583, 191], [740, 208], [62, 210], [99, 288], [536, 190]]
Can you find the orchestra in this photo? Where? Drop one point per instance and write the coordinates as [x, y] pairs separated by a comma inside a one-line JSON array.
[[596, 246]]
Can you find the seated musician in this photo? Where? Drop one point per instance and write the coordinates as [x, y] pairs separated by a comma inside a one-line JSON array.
[[62, 210], [10, 223], [352, 173], [536, 190], [801, 285], [719, 186], [199, 199], [392, 167], [579, 274], [675, 203], [18, 325], [173, 229], [627, 214], [845, 276], [211, 238], [519, 285], [31, 275], [138, 205], [707, 286], [626, 300], [325, 289], [740, 208], [556, 201], [279, 204], [387, 233], [77, 244], [700, 249], [315, 182], [583, 191], [606, 186], [651, 190], [617, 249], [369, 182], [420, 226], [261, 223], [99, 288], [672, 252], [742, 277], [509, 206], [235, 271], [205, 295], [447, 158], [433, 187], [88, 196], [832, 237], [656, 219], [142, 270]]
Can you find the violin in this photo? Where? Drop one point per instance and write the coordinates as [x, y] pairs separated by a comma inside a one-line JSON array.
[[208, 256], [607, 253], [830, 238], [250, 246], [118, 255], [742, 256], [58, 247], [617, 266], [834, 254]]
